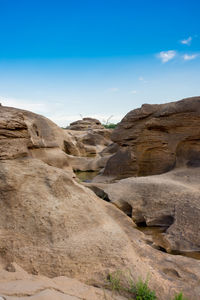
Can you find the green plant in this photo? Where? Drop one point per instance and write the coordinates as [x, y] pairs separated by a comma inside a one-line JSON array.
[[124, 284], [143, 292], [115, 281], [179, 297], [110, 126]]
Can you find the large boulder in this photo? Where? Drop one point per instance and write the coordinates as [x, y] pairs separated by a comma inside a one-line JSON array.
[[156, 138], [25, 134], [88, 150], [51, 225], [170, 200], [88, 143], [86, 124]]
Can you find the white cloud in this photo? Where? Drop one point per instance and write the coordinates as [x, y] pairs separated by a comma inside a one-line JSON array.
[[113, 90], [23, 104], [142, 79], [165, 56], [187, 41], [133, 92], [189, 57]]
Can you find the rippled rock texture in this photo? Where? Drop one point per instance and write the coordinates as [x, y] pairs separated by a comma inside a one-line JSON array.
[[157, 138]]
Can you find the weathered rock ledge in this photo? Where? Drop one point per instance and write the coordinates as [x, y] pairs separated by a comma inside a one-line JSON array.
[[155, 139]]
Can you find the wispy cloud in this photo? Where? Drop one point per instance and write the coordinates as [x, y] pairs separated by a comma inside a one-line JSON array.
[[55, 111], [187, 41], [133, 92], [189, 57], [113, 90], [141, 78], [166, 56]]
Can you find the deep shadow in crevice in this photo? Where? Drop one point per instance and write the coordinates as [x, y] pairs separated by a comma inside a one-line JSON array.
[[126, 208], [104, 196], [141, 224], [100, 193], [161, 249]]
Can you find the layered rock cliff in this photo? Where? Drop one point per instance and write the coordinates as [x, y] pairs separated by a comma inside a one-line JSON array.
[[157, 138]]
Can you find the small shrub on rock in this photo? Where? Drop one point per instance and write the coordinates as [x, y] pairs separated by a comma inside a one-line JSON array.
[[124, 284], [179, 297]]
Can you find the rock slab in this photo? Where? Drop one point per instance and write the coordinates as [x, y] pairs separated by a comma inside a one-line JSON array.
[[156, 138]]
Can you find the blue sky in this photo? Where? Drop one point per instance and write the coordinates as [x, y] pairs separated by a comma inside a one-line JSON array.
[[95, 57]]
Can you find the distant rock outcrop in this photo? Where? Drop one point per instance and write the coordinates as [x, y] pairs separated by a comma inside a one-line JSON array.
[[85, 124], [156, 138], [88, 149]]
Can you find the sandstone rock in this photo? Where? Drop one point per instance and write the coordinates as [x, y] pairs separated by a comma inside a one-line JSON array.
[[52, 226], [87, 143], [111, 149], [25, 134], [86, 124], [171, 199], [24, 286], [156, 138], [87, 150]]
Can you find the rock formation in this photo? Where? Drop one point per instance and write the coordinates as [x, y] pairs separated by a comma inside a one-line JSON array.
[[19, 285], [171, 200], [88, 149], [53, 226], [50, 225], [25, 134], [87, 143], [156, 138], [86, 124]]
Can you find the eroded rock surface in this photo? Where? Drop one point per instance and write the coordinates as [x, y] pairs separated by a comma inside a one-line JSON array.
[[156, 138], [86, 124], [54, 226], [88, 150], [50, 225], [19, 285], [171, 199], [25, 134]]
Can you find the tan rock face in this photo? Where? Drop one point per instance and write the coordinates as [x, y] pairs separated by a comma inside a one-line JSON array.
[[170, 199], [88, 149], [155, 138], [51, 225], [25, 134], [19, 285], [87, 143], [54, 226], [86, 124]]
